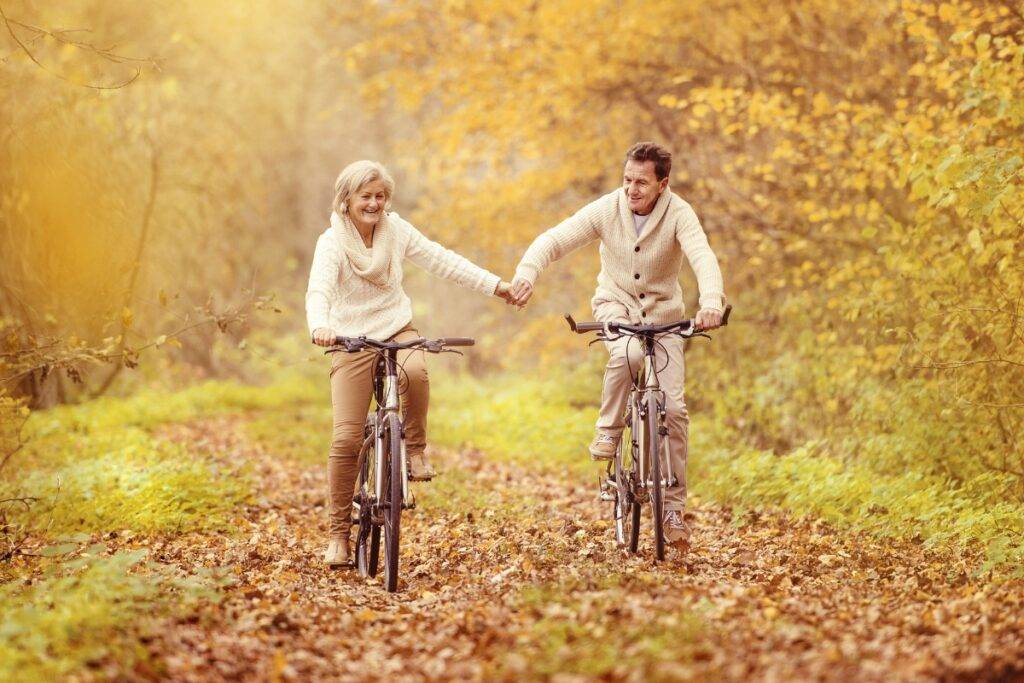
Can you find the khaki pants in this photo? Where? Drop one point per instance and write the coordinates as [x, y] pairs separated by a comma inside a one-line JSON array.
[[351, 391], [618, 374]]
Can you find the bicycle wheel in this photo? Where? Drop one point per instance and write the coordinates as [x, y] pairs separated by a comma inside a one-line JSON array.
[[368, 534], [627, 509], [657, 493], [393, 502]]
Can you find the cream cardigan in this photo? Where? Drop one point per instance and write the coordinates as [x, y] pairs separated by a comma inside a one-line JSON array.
[[349, 305], [639, 278]]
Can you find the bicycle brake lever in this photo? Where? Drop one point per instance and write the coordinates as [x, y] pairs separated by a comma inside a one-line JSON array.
[[452, 351]]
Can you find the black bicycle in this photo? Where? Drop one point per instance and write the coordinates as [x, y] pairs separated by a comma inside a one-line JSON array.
[[641, 469], [383, 483]]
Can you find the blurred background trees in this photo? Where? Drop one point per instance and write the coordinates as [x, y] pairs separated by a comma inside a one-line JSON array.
[[858, 170]]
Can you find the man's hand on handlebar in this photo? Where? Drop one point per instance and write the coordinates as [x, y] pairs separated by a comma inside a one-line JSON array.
[[323, 336], [708, 319]]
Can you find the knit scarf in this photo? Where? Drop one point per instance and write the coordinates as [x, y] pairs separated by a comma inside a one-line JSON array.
[[373, 265]]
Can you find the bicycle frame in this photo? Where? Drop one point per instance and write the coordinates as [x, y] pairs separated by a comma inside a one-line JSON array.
[[647, 476], [385, 435]]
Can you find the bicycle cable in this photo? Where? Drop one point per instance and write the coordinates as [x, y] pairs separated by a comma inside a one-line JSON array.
[[657, 370]]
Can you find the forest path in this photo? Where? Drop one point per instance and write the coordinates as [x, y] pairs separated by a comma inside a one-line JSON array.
[[511, 573]]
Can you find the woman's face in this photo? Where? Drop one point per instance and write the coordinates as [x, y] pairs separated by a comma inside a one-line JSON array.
[[367, 204]]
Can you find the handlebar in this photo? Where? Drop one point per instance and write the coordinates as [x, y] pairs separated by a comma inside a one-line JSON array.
[[686, 328], [356, 344]]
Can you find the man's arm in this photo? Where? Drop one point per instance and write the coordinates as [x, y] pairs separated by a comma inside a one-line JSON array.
[[574, 232], [694, 243]]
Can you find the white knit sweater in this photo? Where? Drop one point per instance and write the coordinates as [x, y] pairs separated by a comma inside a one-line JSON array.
[[639, 278], [349, 305]]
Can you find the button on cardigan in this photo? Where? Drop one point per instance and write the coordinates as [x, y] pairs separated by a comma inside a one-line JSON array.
[[634, 267]]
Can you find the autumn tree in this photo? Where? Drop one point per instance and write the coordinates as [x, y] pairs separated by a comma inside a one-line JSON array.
[[856, 167]]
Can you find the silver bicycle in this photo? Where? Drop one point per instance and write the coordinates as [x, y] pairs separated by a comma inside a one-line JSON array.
[[383, 483], [641, 469]]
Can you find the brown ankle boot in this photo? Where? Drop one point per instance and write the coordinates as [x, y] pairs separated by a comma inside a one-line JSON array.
[[338, 553]]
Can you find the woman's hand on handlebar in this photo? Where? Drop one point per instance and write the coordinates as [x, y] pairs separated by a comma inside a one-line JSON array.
[[323, 336]]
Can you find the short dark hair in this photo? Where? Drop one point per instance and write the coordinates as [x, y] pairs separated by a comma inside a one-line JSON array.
[[652, 151]]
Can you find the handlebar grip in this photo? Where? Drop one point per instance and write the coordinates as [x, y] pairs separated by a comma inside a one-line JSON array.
[[583, 327], [350, 344], [725, 315], [458, 341]]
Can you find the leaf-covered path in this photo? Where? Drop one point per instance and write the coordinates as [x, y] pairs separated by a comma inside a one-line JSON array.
[[511, 574]]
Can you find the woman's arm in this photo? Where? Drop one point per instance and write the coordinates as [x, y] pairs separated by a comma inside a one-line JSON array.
[[445, 263], [323, 283]]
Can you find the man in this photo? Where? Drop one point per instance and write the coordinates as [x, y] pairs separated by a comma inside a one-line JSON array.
[[645, 230]]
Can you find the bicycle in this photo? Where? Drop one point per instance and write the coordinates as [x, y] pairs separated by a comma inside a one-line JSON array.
[[383, 480], [641, 468]]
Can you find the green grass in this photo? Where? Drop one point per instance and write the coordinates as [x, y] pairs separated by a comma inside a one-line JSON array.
[[151, 408], [90, 609], [101, 467], [106, 469], [300, 432], [531, 422], [544, 423], [125, 479]]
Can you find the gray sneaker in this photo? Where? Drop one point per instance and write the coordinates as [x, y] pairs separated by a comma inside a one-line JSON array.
[[677, 531], [603, 447]]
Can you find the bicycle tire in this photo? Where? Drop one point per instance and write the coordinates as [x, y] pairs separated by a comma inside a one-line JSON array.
[[627, 508], [368, 534], [657, 494], [393, 509]]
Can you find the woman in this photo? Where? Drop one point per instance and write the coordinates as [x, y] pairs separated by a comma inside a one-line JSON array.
[[355, 289]]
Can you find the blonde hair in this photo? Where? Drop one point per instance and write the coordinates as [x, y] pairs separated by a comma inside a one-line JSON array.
[[354, 176]]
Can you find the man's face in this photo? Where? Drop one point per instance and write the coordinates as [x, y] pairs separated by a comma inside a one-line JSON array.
[[642, 186]]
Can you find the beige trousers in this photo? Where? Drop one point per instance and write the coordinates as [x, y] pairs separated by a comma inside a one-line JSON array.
[[351, 391], [625, 357]]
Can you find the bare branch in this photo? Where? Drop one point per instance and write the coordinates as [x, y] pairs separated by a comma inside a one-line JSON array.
[[62, 36], [24, 500], [147, 214]]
